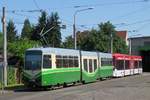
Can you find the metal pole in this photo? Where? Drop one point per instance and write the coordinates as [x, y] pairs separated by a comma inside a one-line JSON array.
[[74, 32], [74, 26], [130, 46], [5, 46], [111, 43]]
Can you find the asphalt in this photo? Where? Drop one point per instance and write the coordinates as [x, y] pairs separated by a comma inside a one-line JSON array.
[[127, 88]]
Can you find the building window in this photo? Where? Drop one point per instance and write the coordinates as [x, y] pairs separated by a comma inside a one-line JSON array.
[[47, 62]]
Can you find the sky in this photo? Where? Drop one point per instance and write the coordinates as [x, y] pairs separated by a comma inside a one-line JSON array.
[[130, 15]]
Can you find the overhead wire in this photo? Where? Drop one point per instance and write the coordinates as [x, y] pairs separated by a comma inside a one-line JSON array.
[[111, 3], [37, 6]]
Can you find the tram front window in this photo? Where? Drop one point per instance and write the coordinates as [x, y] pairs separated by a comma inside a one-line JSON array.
[[33, 61]]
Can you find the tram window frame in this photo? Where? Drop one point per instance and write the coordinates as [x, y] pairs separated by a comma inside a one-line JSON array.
[[106, 62], [71, 61], [136, 64], [90, 66], [76, 61], [140, 64], [85, 64], [67, 61], [127, 64], [117, 66], [59, 61], [47, 63], [95, 64]]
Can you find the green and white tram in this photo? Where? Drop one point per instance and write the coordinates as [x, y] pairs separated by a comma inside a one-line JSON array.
[[57, 66]]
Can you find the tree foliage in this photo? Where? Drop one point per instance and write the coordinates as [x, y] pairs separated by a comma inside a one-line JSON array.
[[99, 39], [50, 25], [17, 49], [68, 43], [11, 31], [39, 27], [54, 35], [26, 30]]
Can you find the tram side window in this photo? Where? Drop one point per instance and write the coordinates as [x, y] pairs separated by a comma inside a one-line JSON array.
[[59, 61], [76, 63], [135, 64], [90, 65], [106, 61], [127, 64], [95, 64], [140, 64], [47, 62], [66, 61], [85, 65], [71, 61], [120, 64]]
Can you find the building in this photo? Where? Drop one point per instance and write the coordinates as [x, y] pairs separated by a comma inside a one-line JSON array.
[[141, 46], [123, 35]]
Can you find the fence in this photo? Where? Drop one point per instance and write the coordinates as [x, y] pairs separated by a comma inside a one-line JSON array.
[[11, 75]]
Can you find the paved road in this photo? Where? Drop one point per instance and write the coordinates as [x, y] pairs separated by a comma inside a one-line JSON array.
[[128, 88]]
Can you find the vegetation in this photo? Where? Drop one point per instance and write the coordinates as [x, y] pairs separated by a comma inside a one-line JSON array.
[[98, 40], [11, 31], [26, 30]]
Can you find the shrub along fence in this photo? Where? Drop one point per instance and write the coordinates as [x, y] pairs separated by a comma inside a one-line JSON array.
[[13, 75]]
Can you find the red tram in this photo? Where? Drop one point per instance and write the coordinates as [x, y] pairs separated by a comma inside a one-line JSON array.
[[126, 65]]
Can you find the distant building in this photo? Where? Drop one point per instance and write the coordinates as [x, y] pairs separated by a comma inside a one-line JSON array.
[[123, 35], [141, 46]]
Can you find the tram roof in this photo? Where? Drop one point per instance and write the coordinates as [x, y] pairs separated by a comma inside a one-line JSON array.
[[59, 51], [63, 51], [105, 55]]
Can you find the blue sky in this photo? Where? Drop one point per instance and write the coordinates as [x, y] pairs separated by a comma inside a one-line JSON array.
[[124, 14]]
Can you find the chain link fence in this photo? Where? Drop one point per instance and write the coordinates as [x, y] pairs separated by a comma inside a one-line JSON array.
[[12, 75]]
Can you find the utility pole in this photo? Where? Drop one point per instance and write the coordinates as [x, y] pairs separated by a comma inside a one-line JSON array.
[[111, 43], [4, 46]]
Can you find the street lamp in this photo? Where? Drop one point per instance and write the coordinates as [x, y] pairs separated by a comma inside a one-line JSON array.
[[74, 25], [130, 42]]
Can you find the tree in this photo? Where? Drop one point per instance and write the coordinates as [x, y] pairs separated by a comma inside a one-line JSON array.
[[11, 31], [54, 35], [16, 54], [68, 43], [98, 40], [42, 21], [102, 36], [27, 29], [84, 41]]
